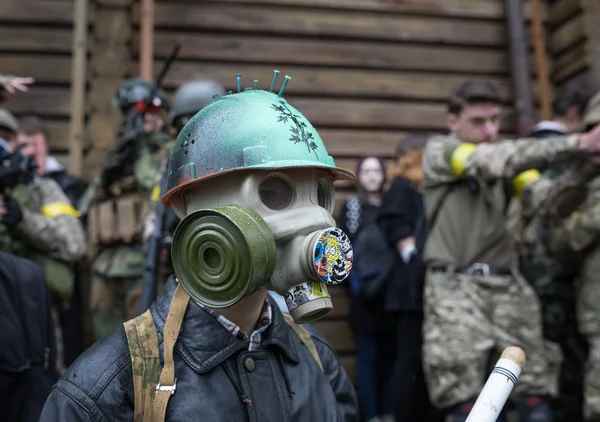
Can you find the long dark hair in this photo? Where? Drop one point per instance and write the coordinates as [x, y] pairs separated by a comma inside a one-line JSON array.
[[362, 193]]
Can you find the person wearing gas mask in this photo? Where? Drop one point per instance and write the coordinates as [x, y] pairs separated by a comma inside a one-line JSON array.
[[476, 301], [37, 221], [253, 183], [115, 202], [190, 98]]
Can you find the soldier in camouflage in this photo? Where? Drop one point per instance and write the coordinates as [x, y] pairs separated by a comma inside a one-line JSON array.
[[553, 279], [576, 238], [116, 201], [190, 98], [38, 222], [476, 301]]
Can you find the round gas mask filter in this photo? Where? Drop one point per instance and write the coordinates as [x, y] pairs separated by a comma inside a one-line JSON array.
[[331, 255], [222, 255]]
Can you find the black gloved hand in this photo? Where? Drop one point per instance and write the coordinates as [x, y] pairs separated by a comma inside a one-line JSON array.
[[14, 214]]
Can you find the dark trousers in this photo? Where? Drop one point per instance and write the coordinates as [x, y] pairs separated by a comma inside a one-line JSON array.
[[376, 354], [410, 398], [71, 322]]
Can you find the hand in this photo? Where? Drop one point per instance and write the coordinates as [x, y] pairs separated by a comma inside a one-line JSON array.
[[13, 214], [15, 83], [590, 141]]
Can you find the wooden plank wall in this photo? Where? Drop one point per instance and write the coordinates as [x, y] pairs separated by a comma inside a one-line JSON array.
[[365, 72], [573, 36], [36, 40]]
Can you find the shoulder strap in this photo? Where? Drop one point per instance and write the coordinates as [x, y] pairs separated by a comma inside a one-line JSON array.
[[305, 337], [438, 206], [153, 385], [145, 363]]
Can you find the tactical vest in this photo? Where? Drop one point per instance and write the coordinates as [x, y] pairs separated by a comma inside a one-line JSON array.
[[116, 218], [153, 386], [59, 275]]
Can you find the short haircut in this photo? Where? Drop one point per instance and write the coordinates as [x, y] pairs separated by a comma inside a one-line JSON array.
[[30, 125], [413, 141], [472, 91], [576, 93]]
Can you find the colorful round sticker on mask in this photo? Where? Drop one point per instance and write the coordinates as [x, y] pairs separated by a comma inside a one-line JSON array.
[[333, 256]]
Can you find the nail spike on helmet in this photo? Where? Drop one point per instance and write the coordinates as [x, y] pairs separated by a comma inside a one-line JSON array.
[[249, 129]]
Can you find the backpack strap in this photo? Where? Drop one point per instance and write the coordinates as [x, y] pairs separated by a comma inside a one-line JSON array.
[[305, 338], [145, 363], [153, 386]]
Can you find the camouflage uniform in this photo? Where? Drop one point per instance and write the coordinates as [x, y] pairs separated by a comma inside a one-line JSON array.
[[476, 301], [578, 235], [553, 279], [51, 235], [114, 205]]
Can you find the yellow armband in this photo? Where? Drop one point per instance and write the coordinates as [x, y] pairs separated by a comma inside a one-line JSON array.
[[55, 209], [459, 158], [156, 193], [523, 179]]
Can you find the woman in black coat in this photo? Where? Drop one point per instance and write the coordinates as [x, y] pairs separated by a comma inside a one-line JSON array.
[[401, 218], [372, 325]]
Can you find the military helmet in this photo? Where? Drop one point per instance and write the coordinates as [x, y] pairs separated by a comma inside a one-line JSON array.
[[135, 90], [8, 121], [591, 115], [193, 96], [253, 129]]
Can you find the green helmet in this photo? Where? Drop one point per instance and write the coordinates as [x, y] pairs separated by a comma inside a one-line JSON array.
[[193, 96], [253, 129], [137, 90]]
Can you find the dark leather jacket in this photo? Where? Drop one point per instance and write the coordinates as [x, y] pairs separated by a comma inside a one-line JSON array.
[[284, 384]]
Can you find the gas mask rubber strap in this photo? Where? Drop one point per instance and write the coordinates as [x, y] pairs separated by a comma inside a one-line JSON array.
[[167, 383]]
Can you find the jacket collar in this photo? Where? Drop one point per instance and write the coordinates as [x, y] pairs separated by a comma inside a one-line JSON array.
[[204, 343]]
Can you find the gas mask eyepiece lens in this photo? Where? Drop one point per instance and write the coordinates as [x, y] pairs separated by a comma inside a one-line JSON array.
[[275, 193]]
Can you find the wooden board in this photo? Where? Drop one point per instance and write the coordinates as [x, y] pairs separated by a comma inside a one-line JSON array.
[[325, 23], [479, 9], [324, 81], [569, 63], [58, 135], [54, 102], [339, 334], [44, 40], [113, 24], [569, 33], [278, 51], [359, 54], [344, 113], [562, 10], [34, 11], [45, 69], [340, 142]]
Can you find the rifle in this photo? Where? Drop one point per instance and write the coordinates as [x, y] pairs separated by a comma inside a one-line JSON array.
[[16, 169], [152, 259], [152, 256]]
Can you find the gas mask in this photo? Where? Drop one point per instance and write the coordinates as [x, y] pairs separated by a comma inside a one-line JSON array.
[[249, 230]]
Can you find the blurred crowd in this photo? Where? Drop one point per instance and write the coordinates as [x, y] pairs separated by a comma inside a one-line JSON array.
[[464, 245]]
